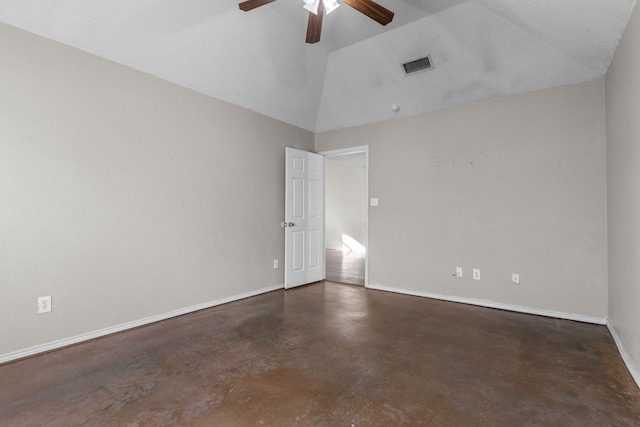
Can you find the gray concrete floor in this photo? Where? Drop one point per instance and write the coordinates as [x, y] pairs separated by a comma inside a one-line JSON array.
[[331, 355]]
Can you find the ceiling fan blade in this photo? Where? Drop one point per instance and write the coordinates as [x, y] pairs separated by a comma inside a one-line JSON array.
[[372, 10], [314, 27], [252, 4]]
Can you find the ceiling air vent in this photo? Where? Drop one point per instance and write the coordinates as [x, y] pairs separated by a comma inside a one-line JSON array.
[[422, 64]]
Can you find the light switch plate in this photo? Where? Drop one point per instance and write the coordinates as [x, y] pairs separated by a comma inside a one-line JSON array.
[[374, 201]]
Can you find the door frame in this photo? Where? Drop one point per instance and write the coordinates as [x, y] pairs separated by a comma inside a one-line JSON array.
[[343, 152]]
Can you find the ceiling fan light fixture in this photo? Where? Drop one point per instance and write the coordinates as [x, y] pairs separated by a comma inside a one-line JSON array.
[[312, 5], [329, 5], [318, 8]]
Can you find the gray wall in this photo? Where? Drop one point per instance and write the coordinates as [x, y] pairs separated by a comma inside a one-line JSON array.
[[344, 202], [123, 196], [623, 191], [511, 185]]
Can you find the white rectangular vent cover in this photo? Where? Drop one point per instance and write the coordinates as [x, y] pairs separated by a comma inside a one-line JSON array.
[[421, 64]]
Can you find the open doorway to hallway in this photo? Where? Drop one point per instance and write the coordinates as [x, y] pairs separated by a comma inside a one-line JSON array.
[[346, 177]]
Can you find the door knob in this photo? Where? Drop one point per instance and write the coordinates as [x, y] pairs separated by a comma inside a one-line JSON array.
[[290, 224]]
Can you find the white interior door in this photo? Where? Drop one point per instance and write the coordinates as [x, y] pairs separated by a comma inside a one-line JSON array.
[[304, 218]]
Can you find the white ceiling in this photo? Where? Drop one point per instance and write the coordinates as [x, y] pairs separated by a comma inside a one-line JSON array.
[[480, 48]]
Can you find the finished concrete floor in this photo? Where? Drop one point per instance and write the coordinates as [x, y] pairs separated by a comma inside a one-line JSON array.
[[344, 267], [331, 355]]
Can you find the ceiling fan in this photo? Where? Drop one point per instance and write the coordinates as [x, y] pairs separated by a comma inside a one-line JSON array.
[[317, 9]]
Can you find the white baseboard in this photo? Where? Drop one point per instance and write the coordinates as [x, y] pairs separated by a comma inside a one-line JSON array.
[[491, 304], [625, 356], [42, 348]]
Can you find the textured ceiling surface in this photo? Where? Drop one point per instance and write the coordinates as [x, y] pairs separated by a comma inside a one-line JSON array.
[[480, 49]]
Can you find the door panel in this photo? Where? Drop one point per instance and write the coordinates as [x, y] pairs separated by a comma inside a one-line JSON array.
[[314, 254], [304, 217], [314, 200], [298, 198], [298, 251]]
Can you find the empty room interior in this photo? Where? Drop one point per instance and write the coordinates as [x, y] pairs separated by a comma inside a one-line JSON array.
[[491, 150]]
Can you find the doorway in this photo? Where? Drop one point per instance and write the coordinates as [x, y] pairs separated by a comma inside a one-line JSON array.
[[346, 215]]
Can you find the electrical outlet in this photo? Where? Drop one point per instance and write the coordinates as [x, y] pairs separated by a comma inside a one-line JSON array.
[[44, 304], [515, 278], [458, 271], [476, 274], [275, 263]]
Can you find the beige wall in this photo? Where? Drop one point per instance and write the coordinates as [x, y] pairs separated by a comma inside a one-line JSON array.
[[511, 185], [123, 196], [623, 191]]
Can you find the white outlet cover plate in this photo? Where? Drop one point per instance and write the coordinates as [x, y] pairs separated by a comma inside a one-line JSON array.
[[374, 201], [44, 304], [476, 274], [515, 279], [458, 271]]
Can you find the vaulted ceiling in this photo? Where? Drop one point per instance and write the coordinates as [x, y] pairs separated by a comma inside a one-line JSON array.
[[259, 59]]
